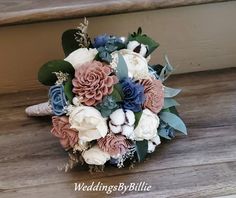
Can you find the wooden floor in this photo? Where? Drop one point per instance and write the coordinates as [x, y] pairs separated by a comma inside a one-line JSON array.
[[203, 164]]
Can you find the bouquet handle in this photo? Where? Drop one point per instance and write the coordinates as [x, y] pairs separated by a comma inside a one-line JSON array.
[[42, 109]]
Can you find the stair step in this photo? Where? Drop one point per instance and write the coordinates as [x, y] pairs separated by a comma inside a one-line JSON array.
[[28, 11]]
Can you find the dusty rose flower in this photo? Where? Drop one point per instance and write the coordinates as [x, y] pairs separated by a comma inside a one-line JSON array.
[[61, 129], [153, 90], [92, 81], [114, 144]]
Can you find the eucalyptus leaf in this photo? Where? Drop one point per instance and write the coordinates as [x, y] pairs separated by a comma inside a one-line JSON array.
[[69, 44], [46, 73], [164, 133], [137, 118], [141, 149], [173, 121], [122, 69], [167, 70], [68, 90], [169, 102], [171, 92]]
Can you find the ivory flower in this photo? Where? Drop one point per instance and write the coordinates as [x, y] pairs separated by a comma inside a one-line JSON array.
[[89, 122], [147, 126], [136, 63], [95, 156], [81, 56]]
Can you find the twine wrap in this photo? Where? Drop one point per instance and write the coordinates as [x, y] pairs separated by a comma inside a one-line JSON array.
[[42, 109]]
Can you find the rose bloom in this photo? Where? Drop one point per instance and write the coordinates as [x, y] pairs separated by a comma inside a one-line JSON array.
[[89, 122], [95, 156], [92, 82], [154, 93], [81, 56], [147, 126], [62, 129], [115, 145]]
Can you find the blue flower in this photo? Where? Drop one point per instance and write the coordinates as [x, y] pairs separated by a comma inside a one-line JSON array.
[[57, 99], [100, 41], [133, 95], [108, 43]]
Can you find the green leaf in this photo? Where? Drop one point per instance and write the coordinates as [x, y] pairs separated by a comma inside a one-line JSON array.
[[171, 92], [69, 44], [122, 69], [68, 90], [173, 121], [169, 102], [137, 118], [46, 73], [141, 149], [116, 95], [173, 110]]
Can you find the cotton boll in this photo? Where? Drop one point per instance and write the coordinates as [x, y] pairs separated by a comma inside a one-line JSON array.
[[132, 45], [127, 131], [114, 128], [156, 140], [151, 147], [137, 47], [118, 117], [130, 118], [143, 50]]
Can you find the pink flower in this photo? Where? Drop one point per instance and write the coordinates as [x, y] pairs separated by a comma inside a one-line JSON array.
[[114, 144], [93, 81], [153, 91], [61, 129]]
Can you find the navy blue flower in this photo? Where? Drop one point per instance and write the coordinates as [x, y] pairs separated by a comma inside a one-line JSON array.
[[57, 99], [100, 41], [133, 95]]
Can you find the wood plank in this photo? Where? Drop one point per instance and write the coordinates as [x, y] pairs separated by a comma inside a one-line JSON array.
[[199, 165], [28, 11]]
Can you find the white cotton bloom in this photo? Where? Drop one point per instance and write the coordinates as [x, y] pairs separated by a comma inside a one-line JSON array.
[[89, 122], [95, 156], [147, 126], [128, 131], [118, 117], [114, 128], [137, 47], [130, 118], [137, 64], [156, 140], [151, 147], [81, 56]]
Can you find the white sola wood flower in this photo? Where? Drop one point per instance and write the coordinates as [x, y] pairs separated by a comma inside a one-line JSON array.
[[147, 126], [136, 63], [81, 56], [95, 156], [89, 122]]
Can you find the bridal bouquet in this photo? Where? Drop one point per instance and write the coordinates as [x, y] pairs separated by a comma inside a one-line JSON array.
[[108, 104]]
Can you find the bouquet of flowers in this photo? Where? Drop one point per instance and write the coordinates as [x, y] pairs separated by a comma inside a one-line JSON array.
[[108, 104]]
